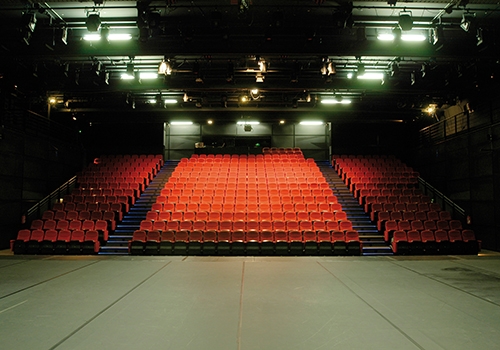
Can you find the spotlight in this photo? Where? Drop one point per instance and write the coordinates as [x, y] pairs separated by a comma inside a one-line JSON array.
[[104, 77], [29, 21], [424, 70], [468, 21], [64, 35], [479, 36], [437, 36], [93, 22], [405, 21], [394, 69], [164, 67]]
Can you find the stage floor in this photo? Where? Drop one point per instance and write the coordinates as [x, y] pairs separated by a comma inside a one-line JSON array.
[[130, 302]]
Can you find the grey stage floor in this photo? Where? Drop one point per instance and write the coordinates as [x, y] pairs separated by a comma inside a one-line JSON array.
[[130, 302]]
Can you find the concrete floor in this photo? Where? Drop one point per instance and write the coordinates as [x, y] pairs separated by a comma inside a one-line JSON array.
[[126, 302]]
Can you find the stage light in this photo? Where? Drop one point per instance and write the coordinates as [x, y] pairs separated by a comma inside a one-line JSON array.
[[405, 21], [64, 35], [311, 123], [29, 21], [164, 67], [468, 21], [437, 36], [262, 66], [93, 22], [394, 69]]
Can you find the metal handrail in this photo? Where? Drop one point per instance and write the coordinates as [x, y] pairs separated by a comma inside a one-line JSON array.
[[47, 202], [446, 203]]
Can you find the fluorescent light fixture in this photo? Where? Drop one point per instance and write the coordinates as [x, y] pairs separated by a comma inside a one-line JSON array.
[[368, 76], [242, 122], [311, 123], [92, 37], [371, 76], [404, 37], [126, 76], [119, 37], [148, 75], [170, 101], [181, 123], [111, 37], [413, 37], [332, 101], [385, 37]]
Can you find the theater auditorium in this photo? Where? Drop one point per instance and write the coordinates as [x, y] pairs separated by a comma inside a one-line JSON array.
[[249, 174]]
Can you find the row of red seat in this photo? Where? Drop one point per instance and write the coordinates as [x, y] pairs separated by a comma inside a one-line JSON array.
[[130, 192], [165, 215], [261, 192], [62, 215], [102, 226], [437, 242], [275, 225], [50, 242], [384, 216], [238, 199], [329, 215], [247, 207], [418, 225], [224, 242]]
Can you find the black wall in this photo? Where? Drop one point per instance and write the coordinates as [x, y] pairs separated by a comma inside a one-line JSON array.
[[465, 166], [36, 157]]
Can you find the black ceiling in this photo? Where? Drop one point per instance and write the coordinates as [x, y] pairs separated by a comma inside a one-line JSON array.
[[214, 48]]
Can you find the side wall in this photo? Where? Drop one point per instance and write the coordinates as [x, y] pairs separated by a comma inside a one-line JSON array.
[[465, 166], [33, 164]]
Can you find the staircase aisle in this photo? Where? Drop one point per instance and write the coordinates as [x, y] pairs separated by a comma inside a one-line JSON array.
[[118, 241], [373, 241]]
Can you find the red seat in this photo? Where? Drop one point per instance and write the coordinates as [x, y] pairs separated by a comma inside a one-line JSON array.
[[91, 243], [399, 242]]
